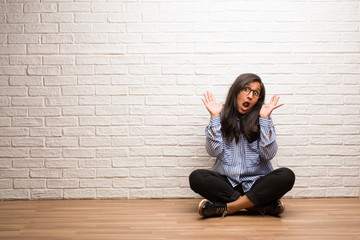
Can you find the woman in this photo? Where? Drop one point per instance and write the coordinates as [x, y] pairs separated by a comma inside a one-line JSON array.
[[242, 137]]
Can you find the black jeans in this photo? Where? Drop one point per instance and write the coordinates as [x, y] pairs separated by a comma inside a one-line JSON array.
[[217, 188]]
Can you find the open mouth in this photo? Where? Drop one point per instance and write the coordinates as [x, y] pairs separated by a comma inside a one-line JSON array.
[[245, 106]]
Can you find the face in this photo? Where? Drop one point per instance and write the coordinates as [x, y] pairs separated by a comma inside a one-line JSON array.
[[246, 101]]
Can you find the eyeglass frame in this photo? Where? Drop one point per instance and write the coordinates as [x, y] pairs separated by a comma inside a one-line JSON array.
[[249, 91]]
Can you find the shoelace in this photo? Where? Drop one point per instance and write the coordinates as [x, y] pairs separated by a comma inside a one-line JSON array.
[[223, 215]]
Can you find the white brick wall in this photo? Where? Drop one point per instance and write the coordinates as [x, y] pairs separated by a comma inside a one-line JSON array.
[[102, 99]]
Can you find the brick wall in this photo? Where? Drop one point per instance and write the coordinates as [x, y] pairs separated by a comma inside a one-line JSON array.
[[101, 99]]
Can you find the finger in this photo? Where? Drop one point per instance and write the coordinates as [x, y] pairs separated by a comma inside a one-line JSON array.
[[275, 99], [206, 97], [203, 101], [211, 97], [221, 105], [277, 106]]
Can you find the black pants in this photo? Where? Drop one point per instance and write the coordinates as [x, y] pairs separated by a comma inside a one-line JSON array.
[[217, 188]]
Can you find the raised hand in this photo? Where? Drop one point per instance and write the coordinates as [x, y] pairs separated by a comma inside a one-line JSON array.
[[211, 105], [267, 109]]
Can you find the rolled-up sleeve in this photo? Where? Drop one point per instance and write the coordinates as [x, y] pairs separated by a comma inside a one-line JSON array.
[[268, 145], [214, 140]]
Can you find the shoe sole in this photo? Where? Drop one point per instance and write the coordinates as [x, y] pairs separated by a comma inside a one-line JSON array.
[[201, 204], [282, 206]]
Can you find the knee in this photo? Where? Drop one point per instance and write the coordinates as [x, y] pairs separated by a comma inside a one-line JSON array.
[[289, 177], [195, 178]]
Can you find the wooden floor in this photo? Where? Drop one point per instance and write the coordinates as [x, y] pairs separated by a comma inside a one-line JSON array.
[[175, 219]]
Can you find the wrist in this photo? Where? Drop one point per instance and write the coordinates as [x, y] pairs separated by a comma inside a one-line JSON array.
[[215, 115]]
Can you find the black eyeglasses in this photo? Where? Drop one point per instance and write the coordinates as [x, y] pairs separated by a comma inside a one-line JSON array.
[[247, 91]]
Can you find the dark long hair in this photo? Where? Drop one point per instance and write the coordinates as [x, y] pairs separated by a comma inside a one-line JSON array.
[[249, 122]]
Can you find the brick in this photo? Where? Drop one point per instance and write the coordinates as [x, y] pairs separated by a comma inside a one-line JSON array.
[[94, 80], [126, 182], [27, 142], [14, 173], [110, 70], [61, 121], [146, 193], [5, 142], [128, 162], [62, 142], [45, 153], [10, 194], [113, 194], [75, 49], [59, 80], [41, 28], [78, 70], [14, 152], [61, 101], [79, 173], [112, 131], [78, 111], [57, 18], [161, 162], [46, 194], [74, 28], [29, 183], [62, 183], [73, 7], [129, 121], [90, 17], [40, 7], [342, 192], [79, 131], [25, 80], [13, 91], [145, 172], [94, 100], [28, 163], [95, 183], [112, 152], [77, 91], [57, 163], [30, 38], [78, 153], [91, 38], [49, 71], [111, 173], [127, 141], [44, 112], [95, 163], [5, 122], [95, 121], [6, 184], [57, 38], [79, 193], [45, 132], [95, 142], [162, 182], [46, 173], [146, 151]]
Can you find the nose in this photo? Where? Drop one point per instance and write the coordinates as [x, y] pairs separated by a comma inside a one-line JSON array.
[[250, 95]]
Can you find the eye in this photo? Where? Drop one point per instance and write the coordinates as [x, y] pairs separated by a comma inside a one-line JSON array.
[[246, 89], [256, 93]]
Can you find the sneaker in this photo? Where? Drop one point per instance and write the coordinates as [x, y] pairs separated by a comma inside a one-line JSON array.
[[273, 208], [212, 209]]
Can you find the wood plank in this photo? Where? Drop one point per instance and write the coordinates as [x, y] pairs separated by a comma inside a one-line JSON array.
[[337, 218]]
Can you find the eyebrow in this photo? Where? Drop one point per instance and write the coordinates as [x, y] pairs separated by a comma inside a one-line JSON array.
[[259, 89]]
